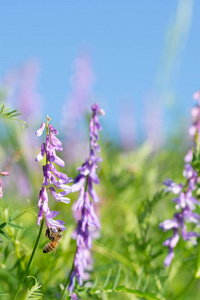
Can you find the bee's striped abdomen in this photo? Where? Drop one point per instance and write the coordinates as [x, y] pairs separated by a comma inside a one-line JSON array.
[[50, 246]]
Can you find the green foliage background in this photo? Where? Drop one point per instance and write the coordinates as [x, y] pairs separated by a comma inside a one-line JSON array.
[[128, 255]]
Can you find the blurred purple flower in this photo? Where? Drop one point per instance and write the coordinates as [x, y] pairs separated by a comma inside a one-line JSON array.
[[21, 90], [195, 117], [76, 105], [20, 85], [49, 148], [29, 100], [4, 173], [153, 120], [196, 96], [189, 156], [172, 186], [127, 125], [81, 83], [83, 209]]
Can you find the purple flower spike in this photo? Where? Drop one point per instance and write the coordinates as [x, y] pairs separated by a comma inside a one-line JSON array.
[[83, 209], [51, 145], [185, 201]]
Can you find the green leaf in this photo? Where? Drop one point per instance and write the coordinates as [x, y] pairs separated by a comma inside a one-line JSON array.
[[2, 225], [34, 292], [14, 215], [6, 253], [15, 226], [146, 295], [94, 291], [196, 164], [11, 112], [3, 294], [17, 114], [2, 109], [140, 279], [122, 288], [108, 287], [107, 278], [197, 273], [10, 115], [117, 278], [4, 234]]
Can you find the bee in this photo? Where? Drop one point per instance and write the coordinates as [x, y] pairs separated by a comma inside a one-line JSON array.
[[55, 237]]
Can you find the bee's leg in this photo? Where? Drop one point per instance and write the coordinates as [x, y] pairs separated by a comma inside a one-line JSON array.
[[47, 234], [55, 250]]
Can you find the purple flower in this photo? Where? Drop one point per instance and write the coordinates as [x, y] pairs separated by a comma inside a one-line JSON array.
[[39, 132], [189, 172], [74, 296], [75, 108], [185, 201], [51, 145], [54, 223], [169, 257], [83, 209], [189, 156], [5, 173], [196, 96], [28, 99], [172, 186], [195, 117], [178, 224]]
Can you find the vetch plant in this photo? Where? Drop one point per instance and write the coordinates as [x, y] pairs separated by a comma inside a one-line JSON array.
[[48, 149], [185, 202], [87, 221], [50, 173]]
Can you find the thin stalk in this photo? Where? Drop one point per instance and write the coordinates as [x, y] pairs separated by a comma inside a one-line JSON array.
[[67, 282], [30, 260]]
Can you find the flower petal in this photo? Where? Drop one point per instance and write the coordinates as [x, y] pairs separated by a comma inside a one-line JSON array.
[[39, 132]]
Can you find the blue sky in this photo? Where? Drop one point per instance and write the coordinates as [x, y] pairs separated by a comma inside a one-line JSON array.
[[140, 51]]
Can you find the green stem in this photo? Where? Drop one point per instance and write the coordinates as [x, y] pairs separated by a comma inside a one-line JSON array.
[[68, 278], [30, 260]]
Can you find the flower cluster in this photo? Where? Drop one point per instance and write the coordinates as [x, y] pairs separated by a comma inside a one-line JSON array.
[[51, 145], [87, 221], [185, 201], [2, 174]]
